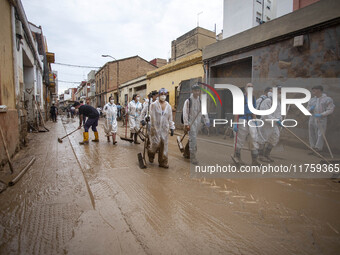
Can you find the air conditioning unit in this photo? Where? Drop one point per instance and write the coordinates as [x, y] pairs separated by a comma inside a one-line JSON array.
[[298, 41], [18, 29]]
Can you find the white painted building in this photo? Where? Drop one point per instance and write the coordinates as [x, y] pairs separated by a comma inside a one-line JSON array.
[[240, 15]]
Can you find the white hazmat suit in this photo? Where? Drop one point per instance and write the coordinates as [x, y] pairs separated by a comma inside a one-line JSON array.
[[111, 118], [191, 109], [161, 123], [134, 111], [317, 125], [269, 133]]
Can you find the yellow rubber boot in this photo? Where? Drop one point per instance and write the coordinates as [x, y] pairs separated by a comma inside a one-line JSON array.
[[86, 138], [96, 137]]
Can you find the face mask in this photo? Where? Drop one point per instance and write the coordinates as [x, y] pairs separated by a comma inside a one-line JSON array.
[[270, 94], [162, 98], [138, 98], [112, 101]]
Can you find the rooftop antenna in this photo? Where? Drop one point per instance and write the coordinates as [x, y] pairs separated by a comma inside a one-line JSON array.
[[198, 18]]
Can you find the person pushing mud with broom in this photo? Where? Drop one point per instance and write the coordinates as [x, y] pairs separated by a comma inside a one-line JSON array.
[[92, 121]]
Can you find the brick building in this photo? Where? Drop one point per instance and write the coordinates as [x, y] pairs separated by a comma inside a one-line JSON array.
[[114, 73], [298, 4]]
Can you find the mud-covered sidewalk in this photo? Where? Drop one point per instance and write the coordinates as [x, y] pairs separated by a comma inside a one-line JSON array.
[[94, 199]]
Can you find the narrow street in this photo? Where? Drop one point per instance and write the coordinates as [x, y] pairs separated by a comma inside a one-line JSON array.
[[95, 199]]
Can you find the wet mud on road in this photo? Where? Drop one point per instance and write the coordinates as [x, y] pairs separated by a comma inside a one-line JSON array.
[[94, 199]]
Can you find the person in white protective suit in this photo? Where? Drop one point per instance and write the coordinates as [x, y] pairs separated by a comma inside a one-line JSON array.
[[269, 133], [134, 110], [145, 114], [111, 126], [192, 120], [263, 97], [161, 123], [242, 129], [320, 106]]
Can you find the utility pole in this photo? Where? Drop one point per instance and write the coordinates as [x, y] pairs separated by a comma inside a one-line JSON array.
[[198, 18]]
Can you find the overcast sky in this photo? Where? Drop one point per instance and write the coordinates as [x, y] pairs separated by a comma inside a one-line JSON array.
[[80, 31]]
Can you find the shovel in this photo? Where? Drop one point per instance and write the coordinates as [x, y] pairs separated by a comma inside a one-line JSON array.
[[179, 139], [6, 150], [140, 134], [126, 138], [179, 142], [141, 158], [309, 147]]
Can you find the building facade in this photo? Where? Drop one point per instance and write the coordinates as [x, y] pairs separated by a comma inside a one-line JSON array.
[[240, 15], [191, 42], [91, 79], [109, 78], [23, 83], [135, 86], [300, 49]]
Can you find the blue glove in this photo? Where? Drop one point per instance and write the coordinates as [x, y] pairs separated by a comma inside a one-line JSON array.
[[312, 108], [207, 124], [317, 115], [235, 128], [279, 123]]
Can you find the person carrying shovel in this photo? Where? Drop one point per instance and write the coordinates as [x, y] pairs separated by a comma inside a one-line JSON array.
[[92, 121], [192, 120], [161, 123], [320, 107]]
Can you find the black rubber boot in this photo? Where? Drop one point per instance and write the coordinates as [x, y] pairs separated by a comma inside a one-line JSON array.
[[135, 141], [238, 157], [267, 152], [254, 155]]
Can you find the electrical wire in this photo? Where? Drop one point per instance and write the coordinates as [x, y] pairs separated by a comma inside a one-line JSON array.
[[69, 81], [62, 64]]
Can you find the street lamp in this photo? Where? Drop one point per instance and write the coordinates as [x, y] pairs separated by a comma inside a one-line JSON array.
[[108, 56]]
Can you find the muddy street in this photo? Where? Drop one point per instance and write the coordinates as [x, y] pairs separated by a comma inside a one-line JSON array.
[[94, 199]]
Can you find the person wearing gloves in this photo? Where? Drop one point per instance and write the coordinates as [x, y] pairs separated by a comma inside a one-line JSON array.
[[192, 115], [269, 133], [92, 121], [242, 129], [134, 110], [161, 123], [111, 126], [320, 106], [144, 116]]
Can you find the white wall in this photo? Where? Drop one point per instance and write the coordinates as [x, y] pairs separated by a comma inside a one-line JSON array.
[[284, 7], [237, 16], [240, 15]]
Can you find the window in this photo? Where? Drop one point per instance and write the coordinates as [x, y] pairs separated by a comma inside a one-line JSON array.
[[258, 17], [269, 4]]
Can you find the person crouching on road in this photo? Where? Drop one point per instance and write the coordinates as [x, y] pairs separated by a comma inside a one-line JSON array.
[[161, 122], [92, 121], [134, 110], [192, 115], [111, 126], [242, 129], [320, 106]]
